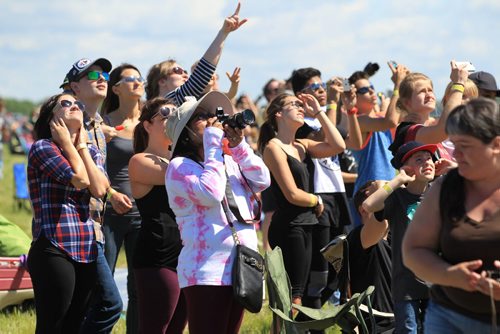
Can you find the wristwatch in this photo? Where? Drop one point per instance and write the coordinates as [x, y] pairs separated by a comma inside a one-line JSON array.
[[320, 200]]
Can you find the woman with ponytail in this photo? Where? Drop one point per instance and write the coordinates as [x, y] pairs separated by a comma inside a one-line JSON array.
[[286, 158], [161, 304]]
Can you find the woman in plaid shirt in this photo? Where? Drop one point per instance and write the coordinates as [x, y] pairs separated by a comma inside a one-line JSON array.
[[63, 172]]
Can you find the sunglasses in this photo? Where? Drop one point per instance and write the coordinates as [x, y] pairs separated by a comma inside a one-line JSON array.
[[69, 104], [131, 79], [164, 112], [203, 116], [364, 90], [296, 104], [178, 70], [315, 86], [94, 75]]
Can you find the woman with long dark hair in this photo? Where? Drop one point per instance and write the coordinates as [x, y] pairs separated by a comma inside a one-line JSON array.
[[161, 304], [63, 173]]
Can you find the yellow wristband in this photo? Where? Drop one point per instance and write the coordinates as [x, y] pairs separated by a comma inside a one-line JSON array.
[[331, 106], [458, 87], [111, 191], [314, 201], [395, 93], [388, 189], [81, 146]]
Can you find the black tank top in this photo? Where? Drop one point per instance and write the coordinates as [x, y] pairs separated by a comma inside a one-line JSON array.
[[159, 242], [287, 212]]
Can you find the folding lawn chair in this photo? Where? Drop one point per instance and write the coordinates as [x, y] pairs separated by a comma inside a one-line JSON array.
[[345, 317]]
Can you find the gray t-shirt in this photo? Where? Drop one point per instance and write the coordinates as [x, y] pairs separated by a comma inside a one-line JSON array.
[[399, 209]]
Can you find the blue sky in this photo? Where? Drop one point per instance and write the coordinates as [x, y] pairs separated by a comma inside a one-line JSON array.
[[39, 40]]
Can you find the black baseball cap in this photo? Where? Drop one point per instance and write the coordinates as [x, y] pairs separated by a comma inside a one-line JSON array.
[[405, 151], [485, 81], [82, 65]]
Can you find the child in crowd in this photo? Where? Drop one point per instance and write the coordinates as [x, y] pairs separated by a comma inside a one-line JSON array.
[[396, 203]]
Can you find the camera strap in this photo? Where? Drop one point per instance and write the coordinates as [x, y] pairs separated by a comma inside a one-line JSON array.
[[233, 206]]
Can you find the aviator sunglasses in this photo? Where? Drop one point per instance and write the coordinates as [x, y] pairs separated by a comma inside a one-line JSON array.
[[364, 90], [164, 112], [178, 70], [315, 86], [131, 78], [94, 75], [69, 104]]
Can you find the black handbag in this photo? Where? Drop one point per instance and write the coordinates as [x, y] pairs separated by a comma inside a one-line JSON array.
[[248, 268]]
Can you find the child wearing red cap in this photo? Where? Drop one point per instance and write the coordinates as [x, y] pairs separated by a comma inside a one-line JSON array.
[[397, 203]]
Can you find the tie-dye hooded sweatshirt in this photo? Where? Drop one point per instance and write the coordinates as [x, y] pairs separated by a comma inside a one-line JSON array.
[[195, 194]]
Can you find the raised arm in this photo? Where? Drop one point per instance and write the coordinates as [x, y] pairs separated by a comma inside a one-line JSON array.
[[436, 133], [235, 83], [354, 138], [333, 143]]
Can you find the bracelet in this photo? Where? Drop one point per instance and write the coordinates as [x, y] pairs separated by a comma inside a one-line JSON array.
[[395, 93], [319, 112], [314, 201], [331, 106], [388, 189], [352, 111], [458, 87], [111, 191], [81, 146]]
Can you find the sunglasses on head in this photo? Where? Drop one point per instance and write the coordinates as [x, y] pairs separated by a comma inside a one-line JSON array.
[[94, 75], [69, 104], [315, 86], [164, 112], [130, 79], [178, 70], [364, 90]]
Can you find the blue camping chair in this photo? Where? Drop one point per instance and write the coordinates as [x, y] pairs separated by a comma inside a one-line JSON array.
[[21, 193]]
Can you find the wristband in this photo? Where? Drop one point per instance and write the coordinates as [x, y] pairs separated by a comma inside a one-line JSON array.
[[319, 112], [314, 201], [111, 191], [81, 146], [395, 93], [388, 189], [458, 87], [331, 106], [352, 111]]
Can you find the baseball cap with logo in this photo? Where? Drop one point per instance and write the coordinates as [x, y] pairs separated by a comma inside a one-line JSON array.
[[82, 65], [485, 81]]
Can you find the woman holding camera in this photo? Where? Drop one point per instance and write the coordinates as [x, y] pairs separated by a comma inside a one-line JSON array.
[[286, 157], [198, 178], [454, 238]]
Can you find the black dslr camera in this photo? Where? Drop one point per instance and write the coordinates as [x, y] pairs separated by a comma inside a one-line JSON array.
[[239, 120]]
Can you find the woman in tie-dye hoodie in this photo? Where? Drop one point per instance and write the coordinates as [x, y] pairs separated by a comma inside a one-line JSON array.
[[196, 185]]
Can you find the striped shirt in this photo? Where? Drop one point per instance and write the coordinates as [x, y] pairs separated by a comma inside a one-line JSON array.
[[60, 211], [195, 85]]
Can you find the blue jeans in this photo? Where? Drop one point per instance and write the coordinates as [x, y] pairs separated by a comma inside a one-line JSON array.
[[106, 304], [409, 316], [124, 230], [442, 320]]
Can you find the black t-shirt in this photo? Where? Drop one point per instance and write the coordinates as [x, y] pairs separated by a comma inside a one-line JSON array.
[[398, 210], [371, 266]]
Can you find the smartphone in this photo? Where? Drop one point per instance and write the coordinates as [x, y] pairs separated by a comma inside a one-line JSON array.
[[468, 65], [346, 85], [393, 63]]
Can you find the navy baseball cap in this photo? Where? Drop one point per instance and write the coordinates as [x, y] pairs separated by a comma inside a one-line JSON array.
[[82, 65], [485, 81]]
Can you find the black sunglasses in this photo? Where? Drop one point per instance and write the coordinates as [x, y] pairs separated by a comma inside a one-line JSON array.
[[69, 104], [364, 90]]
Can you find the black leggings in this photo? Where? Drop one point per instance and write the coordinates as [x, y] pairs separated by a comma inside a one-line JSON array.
[[62, 288], [295, 242]]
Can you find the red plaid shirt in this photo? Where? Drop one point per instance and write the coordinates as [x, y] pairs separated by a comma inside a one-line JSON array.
[[60, 211]]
